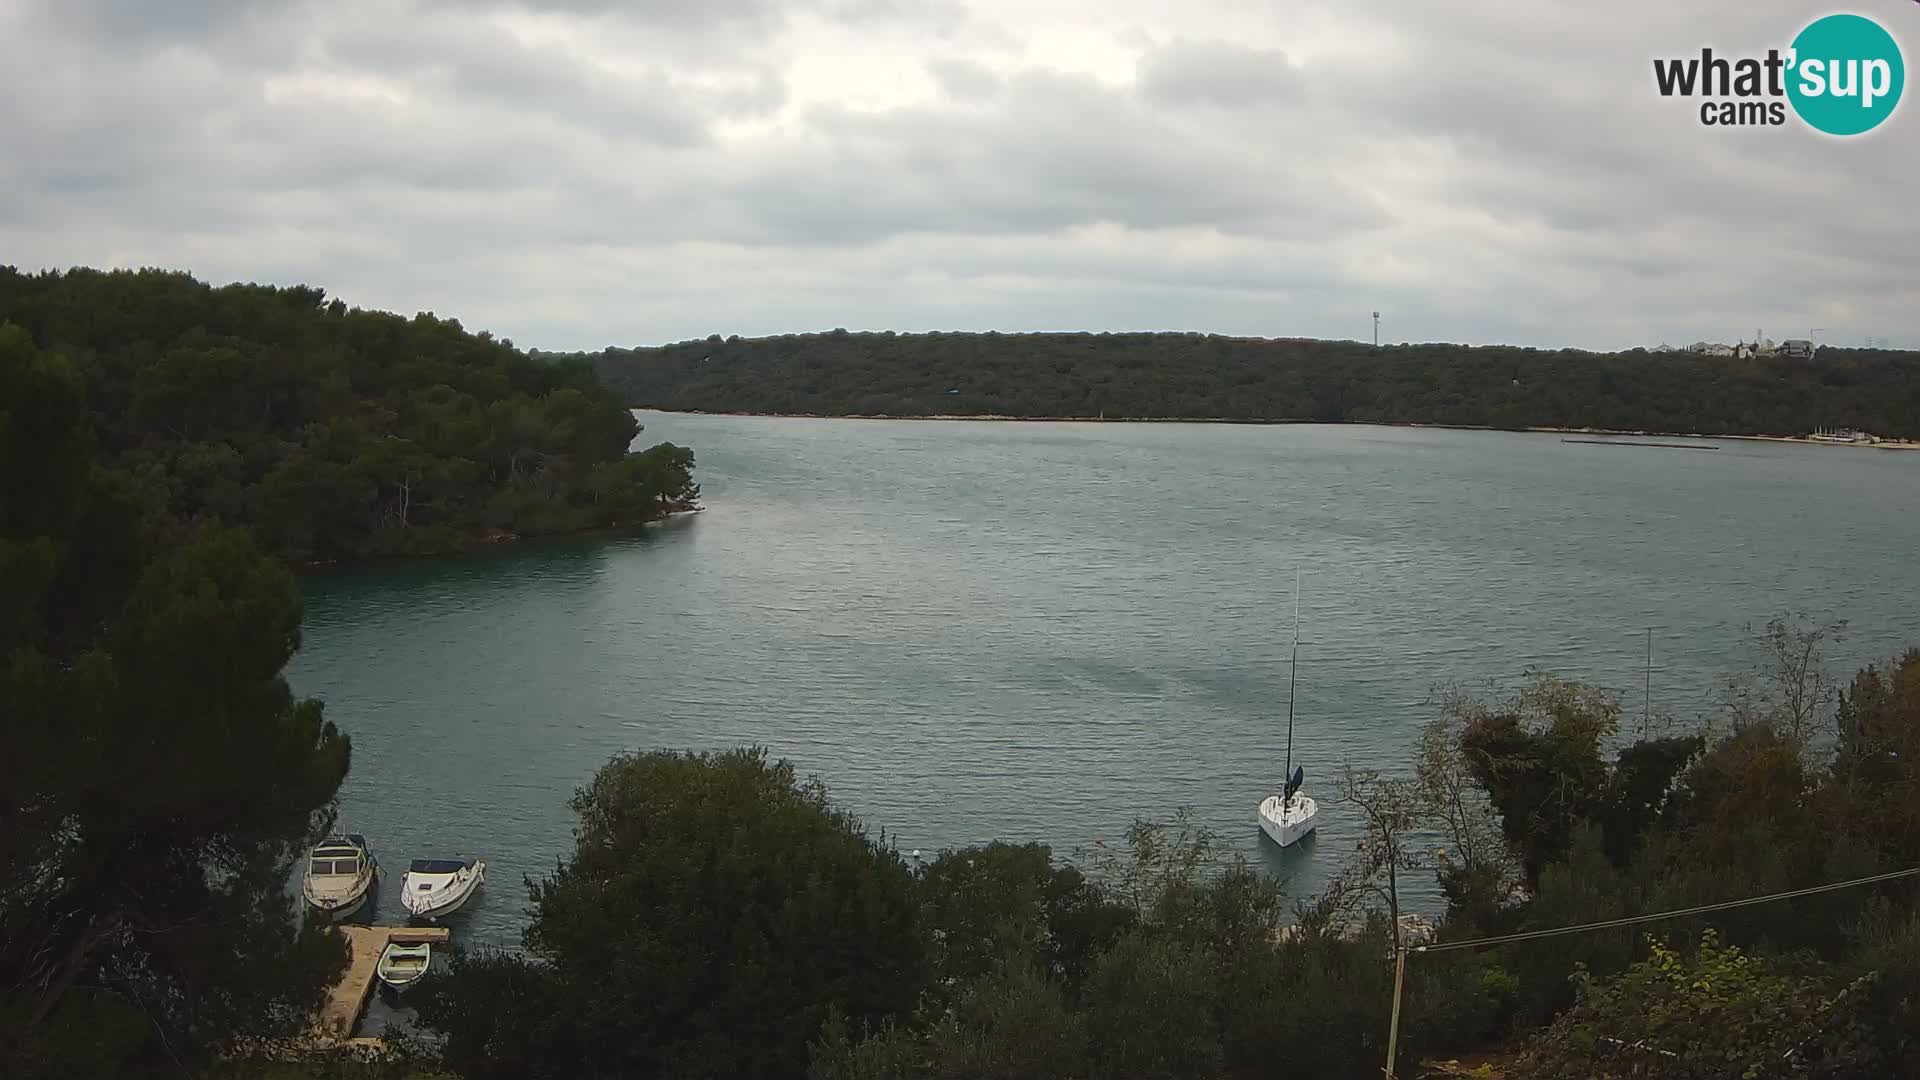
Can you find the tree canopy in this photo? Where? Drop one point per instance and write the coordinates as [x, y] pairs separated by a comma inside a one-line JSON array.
[[1205, 376], [335, 433], [157, 776], [715, 911]]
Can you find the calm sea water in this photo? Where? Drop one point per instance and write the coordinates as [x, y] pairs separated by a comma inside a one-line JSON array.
[[1026, 631]]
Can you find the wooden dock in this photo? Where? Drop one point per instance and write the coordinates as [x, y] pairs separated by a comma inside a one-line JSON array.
[[348, 998]]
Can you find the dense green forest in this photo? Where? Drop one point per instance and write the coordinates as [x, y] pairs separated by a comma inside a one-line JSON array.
[[1208, 376], [335, 433], [157, 775]]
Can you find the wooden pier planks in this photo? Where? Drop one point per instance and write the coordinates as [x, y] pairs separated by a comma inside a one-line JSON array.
[[348, 998]]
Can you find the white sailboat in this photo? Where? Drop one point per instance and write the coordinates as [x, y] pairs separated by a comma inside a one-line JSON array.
[[1292, 814]]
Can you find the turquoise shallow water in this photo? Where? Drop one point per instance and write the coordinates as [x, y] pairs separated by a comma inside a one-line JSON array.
[[1037, 631]]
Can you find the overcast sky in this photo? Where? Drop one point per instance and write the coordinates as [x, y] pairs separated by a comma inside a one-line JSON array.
[[583, 173]]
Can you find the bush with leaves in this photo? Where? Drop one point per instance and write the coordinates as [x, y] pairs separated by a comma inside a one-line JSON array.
[[998, 903], [1715, 1013]]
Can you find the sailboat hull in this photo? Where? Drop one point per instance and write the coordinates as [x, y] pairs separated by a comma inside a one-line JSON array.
[[1287, 823]]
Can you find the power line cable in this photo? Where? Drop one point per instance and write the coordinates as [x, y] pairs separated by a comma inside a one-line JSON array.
[[1531, 935]]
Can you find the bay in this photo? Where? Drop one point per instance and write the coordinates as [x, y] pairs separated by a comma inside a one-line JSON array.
[[1039, 631]]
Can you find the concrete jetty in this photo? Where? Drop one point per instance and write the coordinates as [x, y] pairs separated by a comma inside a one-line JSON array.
[[348, 998]]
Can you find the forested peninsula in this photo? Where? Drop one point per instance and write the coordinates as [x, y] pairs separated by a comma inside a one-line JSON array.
[[334, 433], [1201, 376]]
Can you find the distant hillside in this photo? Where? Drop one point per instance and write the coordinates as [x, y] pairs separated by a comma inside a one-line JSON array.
[[1202, 376], [332, 433]]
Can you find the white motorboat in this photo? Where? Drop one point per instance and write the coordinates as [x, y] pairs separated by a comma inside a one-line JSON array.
[[434, 888], [1288, 817], [402, 965], [340, 875]]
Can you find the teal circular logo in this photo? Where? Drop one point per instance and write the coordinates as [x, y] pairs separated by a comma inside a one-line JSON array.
[[1847, 74]]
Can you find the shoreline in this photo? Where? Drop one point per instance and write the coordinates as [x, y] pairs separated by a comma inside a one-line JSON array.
[[481, 544], [1801, 440]]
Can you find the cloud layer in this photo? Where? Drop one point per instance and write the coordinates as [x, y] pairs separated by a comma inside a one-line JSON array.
[[579, 173]]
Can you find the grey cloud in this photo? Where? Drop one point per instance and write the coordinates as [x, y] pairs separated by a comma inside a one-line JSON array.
[[148, 19], [476, 62], [1079, 154], [963, 79], [757, 15], [69, 129], [762, 92], [940, 16], [659, 12], [1569, 134], [1217, 73]]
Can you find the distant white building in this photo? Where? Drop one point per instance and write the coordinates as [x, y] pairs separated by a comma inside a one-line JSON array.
[[1843, 435], [1797, 347]]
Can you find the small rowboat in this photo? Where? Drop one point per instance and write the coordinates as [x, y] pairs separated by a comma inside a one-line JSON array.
[[401, 966]]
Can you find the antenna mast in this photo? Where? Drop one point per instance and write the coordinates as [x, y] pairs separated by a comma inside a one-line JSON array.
[[1292, 671], [1647, 716]]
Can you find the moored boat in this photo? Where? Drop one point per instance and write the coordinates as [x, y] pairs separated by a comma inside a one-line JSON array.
[[434, 888], [1289, 816], [340, 875], [402, 965]]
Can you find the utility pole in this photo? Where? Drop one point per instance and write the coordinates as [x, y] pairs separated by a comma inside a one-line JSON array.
[[1399, 978]]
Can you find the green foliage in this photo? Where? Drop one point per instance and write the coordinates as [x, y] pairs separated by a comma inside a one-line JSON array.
[[1538, 759], [1013, 1024], [1151, 1011], [334, 433], [1876, 768], [1193, 979], [715, 911], [1198, 375], [1716, 1013], [1637, 792], [1693, 820], [1887, 946], [1004, 904], [157, 777], [501, 1014]]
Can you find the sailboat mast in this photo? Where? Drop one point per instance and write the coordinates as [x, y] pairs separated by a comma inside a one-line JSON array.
[[1293, 670]]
